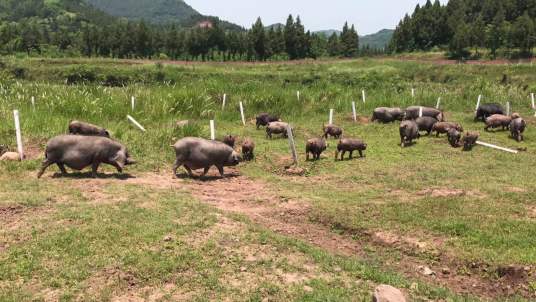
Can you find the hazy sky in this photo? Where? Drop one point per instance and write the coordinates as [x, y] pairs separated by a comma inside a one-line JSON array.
[[368, 15]]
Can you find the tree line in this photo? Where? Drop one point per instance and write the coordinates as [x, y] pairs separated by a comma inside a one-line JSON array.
[[31, 26], [463, 27]]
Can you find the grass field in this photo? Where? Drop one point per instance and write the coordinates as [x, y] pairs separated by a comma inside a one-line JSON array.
[[261, 234]]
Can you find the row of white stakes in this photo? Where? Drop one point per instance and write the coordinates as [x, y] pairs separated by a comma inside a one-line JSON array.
[[212, 126]]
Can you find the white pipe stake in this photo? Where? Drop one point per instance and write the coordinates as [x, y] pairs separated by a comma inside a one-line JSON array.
[[496, 147], [224, 101], [354, 112], [478, 102], [242, 113], [331, 111], [363, 96], [507, 108], [420, 111], [292, 145], [533, 104], [130, 118], [33, 102], [133, 102], [19, 135], [298, 95], [438, 103], [413, 92], [212, 130]]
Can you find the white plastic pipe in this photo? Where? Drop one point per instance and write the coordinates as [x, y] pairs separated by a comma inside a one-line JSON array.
[[532, 98], [133, 103], [354, 112], [212, 130], [507, 108], [438, 103], [292, 144], [131, 119], [331, 111], [242, 114], [496, 147], [420, 111], [298, 95], [413, 92], [363, 96], [478, 102], [33, 102], [19, 134], [224, 101]]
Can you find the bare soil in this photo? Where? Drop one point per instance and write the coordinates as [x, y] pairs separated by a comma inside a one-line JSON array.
[[260, 203]]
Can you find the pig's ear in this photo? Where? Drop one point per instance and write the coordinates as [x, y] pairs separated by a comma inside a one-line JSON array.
[[107, 133]]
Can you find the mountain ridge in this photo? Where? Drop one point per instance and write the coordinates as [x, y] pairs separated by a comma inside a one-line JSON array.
[[158, 12]]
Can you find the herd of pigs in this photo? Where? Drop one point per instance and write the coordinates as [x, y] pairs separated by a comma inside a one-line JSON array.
[[90, 145]]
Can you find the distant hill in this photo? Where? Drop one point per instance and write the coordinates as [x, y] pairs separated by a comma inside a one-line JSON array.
[[157, 11], [275, 26], [378, 40], [328, 33], [63, 11]]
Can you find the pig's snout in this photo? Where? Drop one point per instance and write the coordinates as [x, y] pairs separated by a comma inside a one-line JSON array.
[[130, 161]]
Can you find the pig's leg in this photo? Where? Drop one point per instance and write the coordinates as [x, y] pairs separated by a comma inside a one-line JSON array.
[[94, 168], [46, 163], [205, 171], [342, 155], [307, 156], [220, 168], [62, 168], [360, 153], [190, 173], [175, 167], [351, 154]]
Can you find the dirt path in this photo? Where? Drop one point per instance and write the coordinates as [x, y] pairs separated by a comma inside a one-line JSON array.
[[439, 60], [254, 199], [262, 205]]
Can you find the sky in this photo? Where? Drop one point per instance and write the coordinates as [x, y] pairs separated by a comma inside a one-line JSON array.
[[369, 16]]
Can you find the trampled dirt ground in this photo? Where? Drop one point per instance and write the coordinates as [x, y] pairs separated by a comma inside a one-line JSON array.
[[423, 259]]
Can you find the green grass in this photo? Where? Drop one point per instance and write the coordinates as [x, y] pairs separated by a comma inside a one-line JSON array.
[[491, 221]]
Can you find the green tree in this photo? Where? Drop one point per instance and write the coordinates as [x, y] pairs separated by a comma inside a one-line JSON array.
[[334, 46], [257, 38], [349, 41], [524, 34], [291, 38], [460, 42]]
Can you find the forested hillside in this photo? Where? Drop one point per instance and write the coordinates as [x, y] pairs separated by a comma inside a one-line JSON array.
[[73, 28], [159, 11], [462, 27], [378, 40]]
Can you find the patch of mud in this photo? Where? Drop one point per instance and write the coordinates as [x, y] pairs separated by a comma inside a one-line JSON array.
[[108, 278], [15, 217], [516, 190], [34, 150], [392, 239], [166, 292], [445, 192]]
